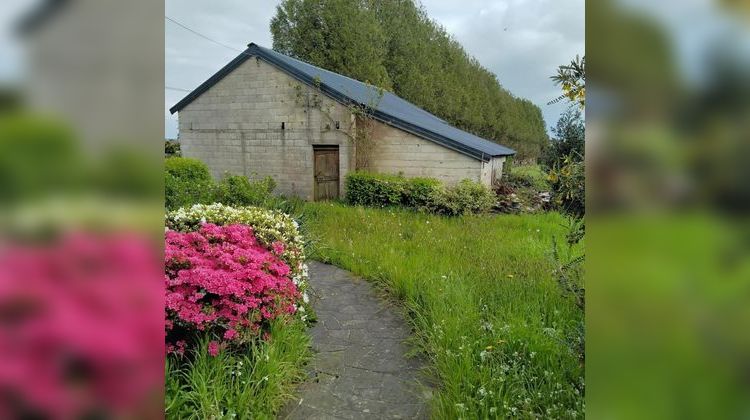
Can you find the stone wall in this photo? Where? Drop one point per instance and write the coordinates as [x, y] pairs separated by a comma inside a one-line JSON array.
[[236, 127]]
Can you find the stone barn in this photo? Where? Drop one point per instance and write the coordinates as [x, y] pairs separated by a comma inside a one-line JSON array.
[[268, 114]]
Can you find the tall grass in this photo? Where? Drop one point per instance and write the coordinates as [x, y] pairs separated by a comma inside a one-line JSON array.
[[482, 300], [252, 383]]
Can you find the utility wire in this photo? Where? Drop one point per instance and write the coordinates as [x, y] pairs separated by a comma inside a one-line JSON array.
[[200, 34], [174, 88]]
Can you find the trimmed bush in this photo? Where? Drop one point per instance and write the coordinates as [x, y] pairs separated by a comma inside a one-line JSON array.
[[422, 194], [375, 190], [238, 190], [187, 169], [186, 182], [466, 197]]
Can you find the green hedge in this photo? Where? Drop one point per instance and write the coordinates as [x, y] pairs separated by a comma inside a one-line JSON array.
[[422, 194], [238, 190], [187, 181], [375, 190]]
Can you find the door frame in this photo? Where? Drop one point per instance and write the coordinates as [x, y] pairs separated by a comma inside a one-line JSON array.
[[331, 148]]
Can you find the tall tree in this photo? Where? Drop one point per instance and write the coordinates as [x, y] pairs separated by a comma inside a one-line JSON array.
[[395, 45], [343, 36]]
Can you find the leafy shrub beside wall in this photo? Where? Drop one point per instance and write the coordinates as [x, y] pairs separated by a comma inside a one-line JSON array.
[[238, 190], [422, 194], [375, 190], [465, 197], [188, 181]]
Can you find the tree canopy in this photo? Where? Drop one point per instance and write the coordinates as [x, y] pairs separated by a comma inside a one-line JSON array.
[[394, 45]]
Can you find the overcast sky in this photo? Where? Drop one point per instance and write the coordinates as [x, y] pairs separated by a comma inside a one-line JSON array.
[[521, 41]]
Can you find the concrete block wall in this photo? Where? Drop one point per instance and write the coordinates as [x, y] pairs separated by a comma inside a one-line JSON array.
[[397, 151], [235, 127], [492, 171]]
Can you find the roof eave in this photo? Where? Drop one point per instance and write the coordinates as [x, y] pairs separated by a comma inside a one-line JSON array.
[[253, 50]]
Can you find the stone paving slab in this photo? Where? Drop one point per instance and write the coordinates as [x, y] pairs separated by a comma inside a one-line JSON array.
[[360, 369]]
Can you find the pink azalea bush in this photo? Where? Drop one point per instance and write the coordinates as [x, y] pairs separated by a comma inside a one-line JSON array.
[[221, 280], [80, 327]]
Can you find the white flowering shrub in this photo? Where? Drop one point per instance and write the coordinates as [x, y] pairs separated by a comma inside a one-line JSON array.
[[269, 226]]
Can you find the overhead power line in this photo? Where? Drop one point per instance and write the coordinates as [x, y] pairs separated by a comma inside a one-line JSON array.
[[174, 88], [200, 34]]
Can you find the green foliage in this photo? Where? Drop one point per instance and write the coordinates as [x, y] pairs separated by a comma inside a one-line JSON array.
[[130, 172], [466, 197], [527, 176], [572, 78], [422, 194], [187, 169], [238, 190], [393, 44], [568, 182], [186, 182], [37, 157], [254, 383], [569, 139], [480, 294], [343, 36], [172, 148], [375, 190]]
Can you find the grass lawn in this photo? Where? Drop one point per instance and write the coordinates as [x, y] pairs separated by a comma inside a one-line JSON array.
[[483, 303], [254, 383]]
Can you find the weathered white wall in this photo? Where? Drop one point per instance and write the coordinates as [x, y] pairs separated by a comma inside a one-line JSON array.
[[492, 171], [398, 151], [235, 127]]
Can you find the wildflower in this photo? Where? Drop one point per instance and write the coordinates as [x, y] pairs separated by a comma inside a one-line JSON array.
[[230, 334]]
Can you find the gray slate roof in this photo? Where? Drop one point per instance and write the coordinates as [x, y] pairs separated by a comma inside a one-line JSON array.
[[389, 108]]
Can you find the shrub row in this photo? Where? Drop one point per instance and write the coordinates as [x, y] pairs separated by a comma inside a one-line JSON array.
[[187, 182], [422, 194]]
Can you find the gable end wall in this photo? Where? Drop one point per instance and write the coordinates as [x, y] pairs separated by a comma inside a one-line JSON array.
[[235, 127]]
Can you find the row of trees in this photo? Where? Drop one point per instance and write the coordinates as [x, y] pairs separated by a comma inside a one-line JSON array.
[[394, 45]]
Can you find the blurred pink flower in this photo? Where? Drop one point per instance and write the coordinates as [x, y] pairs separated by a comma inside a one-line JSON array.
[[213, 348], [81, 326]]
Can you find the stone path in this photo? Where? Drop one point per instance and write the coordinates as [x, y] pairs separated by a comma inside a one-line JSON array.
[[360, 369]]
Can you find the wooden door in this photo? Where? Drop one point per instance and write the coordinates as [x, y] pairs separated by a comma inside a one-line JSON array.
[[326, 172]]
